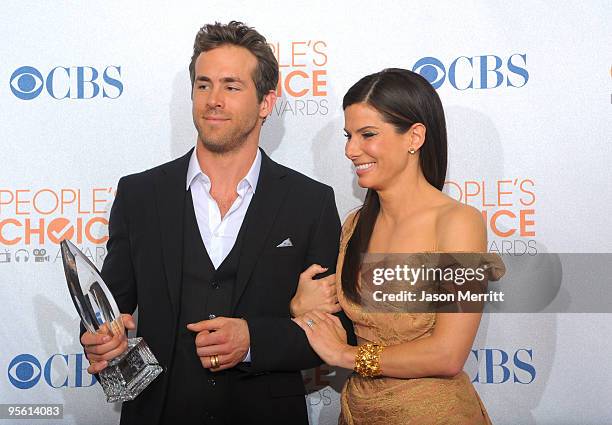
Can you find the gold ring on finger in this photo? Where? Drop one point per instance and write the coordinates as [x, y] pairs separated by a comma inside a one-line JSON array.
[[214, 361]]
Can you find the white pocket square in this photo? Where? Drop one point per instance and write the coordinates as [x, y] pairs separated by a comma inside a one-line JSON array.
[[287, 242]]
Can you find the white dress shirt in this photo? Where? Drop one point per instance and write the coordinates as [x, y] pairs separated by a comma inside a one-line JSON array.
[[219, 234]]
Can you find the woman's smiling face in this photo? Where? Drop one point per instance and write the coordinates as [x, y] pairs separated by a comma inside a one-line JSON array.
[[376, 149]]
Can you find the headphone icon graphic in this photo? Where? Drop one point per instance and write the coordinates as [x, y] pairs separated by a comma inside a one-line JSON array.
[[22, 254]]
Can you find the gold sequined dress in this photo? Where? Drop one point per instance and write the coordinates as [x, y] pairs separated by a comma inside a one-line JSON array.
[[395, 401]]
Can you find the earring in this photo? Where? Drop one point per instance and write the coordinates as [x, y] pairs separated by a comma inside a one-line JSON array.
[[411, 150]]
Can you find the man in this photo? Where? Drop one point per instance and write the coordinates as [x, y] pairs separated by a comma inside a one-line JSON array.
[[210, 247]]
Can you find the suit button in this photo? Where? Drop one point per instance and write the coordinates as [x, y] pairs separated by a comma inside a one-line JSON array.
[[211, 316], [215, 285], [212, 381]]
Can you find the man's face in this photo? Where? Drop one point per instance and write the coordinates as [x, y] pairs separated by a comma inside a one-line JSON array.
[[226, 112]]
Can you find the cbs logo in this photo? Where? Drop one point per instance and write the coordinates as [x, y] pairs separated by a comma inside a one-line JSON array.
[[57, 371], [75, 82], [475, 72], [24, 371]]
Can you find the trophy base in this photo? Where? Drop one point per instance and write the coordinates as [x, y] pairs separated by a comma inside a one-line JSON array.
[[127, 375]]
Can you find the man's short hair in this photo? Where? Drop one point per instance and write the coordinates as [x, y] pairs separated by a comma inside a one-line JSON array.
[[211, 36]]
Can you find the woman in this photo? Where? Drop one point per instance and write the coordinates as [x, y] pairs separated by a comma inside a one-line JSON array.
[[409, 365]]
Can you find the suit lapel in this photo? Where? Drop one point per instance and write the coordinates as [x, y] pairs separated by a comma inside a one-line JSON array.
[[170, 191], [267, 200]]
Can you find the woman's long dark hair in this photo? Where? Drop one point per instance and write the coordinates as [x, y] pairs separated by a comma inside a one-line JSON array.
[[402, 98]]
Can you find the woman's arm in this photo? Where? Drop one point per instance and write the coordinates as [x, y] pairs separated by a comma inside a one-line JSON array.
[[445, 351]]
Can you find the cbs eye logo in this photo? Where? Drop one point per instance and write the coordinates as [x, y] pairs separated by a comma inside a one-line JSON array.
[[24, 371], [26, 82], [432, 70]]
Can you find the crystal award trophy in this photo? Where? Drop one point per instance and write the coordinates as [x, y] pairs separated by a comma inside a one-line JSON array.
[[130, 373]]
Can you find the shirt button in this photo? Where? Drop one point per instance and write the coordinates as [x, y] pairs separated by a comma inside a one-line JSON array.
[[211, 316], [215, 285]]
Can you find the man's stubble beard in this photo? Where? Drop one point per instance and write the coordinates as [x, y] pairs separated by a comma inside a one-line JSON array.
[[230, 142]]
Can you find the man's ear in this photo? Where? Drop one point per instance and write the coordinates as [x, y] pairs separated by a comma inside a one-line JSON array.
[[267, 104]]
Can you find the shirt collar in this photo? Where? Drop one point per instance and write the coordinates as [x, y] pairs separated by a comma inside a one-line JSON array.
[[252, 177]]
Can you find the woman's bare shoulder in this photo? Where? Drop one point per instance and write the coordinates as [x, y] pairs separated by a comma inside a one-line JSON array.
[[460, 227]]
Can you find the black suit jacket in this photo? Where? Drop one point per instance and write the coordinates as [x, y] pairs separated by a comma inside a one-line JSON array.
[[143, 269]]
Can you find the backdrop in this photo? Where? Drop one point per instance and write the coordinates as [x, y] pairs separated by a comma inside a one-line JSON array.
[[89, 93]]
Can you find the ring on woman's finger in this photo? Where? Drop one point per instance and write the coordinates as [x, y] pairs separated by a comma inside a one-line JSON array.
[[310, 323]]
